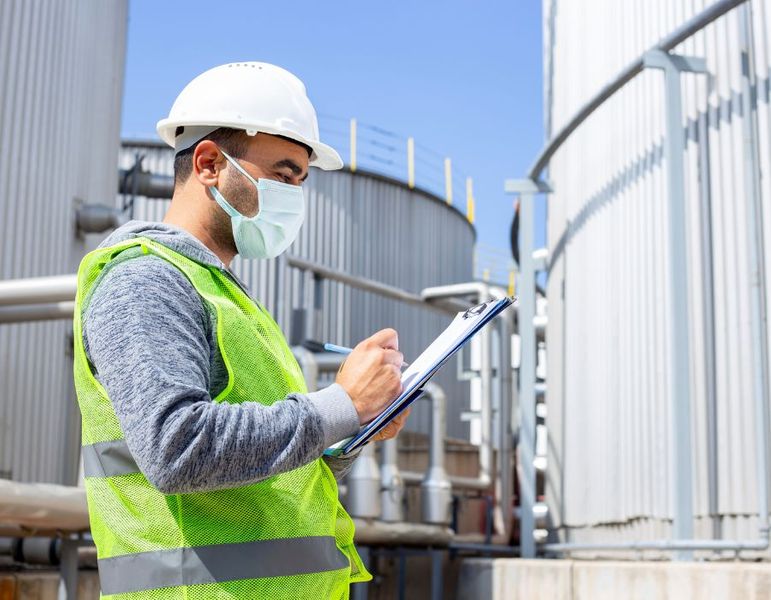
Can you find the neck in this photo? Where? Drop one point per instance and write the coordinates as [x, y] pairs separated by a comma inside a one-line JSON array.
[[194, 217]]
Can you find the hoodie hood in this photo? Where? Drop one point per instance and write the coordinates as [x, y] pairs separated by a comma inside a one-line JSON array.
[[170, 236]]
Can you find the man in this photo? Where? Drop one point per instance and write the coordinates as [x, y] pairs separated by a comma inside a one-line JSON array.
[[202, 448]]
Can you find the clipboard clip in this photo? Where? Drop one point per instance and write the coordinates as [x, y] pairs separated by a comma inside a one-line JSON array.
[[475, 310]]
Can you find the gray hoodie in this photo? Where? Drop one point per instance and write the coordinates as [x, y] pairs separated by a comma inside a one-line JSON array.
[[151, 341]]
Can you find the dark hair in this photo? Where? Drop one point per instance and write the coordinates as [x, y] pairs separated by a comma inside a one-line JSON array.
[[232, 141]]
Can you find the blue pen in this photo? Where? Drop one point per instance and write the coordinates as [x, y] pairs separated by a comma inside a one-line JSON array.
[[338, 349], [344, 350]]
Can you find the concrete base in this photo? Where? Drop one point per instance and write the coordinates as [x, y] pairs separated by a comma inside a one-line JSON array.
[[515, 579]]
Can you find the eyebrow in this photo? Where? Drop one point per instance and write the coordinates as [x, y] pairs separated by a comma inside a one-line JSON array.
[[291, 165]]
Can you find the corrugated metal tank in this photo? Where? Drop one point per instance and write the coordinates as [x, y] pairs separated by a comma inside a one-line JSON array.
[[365, 225], [61, 68], [608, 475]]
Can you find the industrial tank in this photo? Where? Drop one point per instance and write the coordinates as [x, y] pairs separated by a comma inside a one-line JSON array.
[[609, 419], [61, 74]]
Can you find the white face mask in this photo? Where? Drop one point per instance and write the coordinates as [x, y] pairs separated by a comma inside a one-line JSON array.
[[275, 226]]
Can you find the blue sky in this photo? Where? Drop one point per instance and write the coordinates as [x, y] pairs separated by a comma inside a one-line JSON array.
[[463, 78]]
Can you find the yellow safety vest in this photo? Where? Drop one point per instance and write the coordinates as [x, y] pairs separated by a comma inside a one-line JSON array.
[[285, 537]]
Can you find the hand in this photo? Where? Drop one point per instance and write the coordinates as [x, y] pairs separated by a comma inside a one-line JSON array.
[[394, 427], [371, 375]]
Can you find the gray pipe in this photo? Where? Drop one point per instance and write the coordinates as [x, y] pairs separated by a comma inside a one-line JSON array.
[[666, 545], [504, 489], [309, 366], [436, 496], [392, 485], [145, 183], [363, 498], [38, 290], [481, 292], [36, 312]]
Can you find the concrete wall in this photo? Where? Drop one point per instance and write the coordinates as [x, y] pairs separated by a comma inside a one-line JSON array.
[[515, 579]]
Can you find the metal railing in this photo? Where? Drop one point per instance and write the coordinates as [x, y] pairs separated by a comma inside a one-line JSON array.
[[376, 149], [657, 57]]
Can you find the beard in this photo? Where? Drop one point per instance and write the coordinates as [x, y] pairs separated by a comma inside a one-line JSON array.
[[242, 196]]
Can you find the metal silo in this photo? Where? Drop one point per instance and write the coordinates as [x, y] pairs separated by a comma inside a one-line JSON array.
[[611, 443], [61, 68], [365, 225]]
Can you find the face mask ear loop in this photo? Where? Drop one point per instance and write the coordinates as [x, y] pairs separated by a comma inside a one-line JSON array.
[[238, 167], [224, 204], [243, 172]]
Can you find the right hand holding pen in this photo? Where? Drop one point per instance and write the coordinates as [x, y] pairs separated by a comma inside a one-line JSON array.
[[371, 375]]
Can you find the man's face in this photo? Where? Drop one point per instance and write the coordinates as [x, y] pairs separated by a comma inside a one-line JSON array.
[[267, 157]]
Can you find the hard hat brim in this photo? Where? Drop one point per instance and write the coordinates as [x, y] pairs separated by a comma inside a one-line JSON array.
[[323, 156]]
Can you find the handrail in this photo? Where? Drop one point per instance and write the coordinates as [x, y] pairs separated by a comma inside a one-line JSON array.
[[669, 42]]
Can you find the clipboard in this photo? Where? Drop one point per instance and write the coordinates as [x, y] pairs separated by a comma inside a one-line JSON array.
[[464, 327]]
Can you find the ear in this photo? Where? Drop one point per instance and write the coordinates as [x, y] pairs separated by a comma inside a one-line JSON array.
[[208, 163]]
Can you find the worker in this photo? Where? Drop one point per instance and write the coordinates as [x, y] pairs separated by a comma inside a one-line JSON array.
[[202, 447]]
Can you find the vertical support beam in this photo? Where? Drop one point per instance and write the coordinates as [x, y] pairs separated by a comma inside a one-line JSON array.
[[360, 591], [756, 253], [437, 592], [708, 323], [411, 162], [527, 189], [69, 568], [679, 376], [526, 447], [448, 180], [504, 488], [353, 146]]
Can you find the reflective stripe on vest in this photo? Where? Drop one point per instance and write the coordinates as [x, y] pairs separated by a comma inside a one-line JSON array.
[[218, 563], [107, 459]]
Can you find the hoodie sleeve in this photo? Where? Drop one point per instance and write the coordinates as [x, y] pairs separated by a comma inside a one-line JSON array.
[[145, 331]]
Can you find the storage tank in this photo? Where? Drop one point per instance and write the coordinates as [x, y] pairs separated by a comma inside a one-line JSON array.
[[61, 68], [609, 475]]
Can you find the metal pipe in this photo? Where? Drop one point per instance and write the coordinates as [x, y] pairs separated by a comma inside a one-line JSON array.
[[392, 485], [436, 497], [504, 490], [43, 506], [484, 548], [482, 293], [666, 545], [362, 283], [456, 481], [145, 183], [363, 498], [686, 30], [38, 290], [309, 366], [36, 312]]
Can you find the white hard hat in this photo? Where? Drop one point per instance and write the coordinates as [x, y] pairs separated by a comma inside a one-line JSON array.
[[253, 96]]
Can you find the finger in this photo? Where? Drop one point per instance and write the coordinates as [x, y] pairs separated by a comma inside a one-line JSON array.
[[386, 338], [401, 418], [394, 357]]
